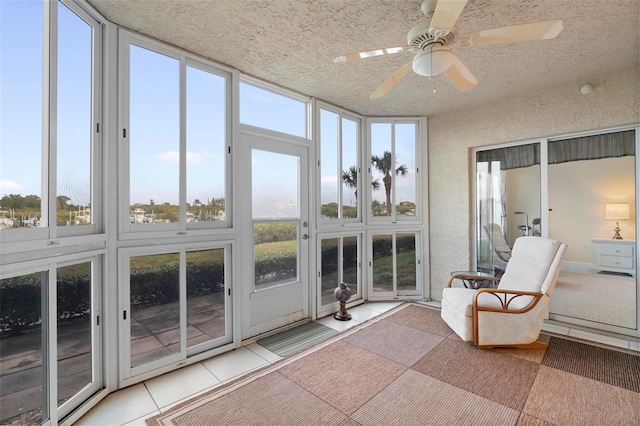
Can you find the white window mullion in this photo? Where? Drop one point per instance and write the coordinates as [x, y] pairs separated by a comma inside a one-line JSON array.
[[182, 197], [49, 110], [340, 168], [52, 337], [124, 158], [183, 303], [393, 172]]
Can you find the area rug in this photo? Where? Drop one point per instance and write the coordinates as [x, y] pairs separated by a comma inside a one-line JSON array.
[[298, 338], [600, 298], [407, 367]]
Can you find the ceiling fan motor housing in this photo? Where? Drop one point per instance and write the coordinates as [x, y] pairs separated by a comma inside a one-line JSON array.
[[433, 55]]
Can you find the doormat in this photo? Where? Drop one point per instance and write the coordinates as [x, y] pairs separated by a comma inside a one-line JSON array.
[[297, 338]]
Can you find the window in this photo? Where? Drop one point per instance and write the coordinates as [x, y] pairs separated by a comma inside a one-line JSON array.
[[176, 302], [257, 106], [49, 178], [63, 293], [394, 172], [154, 141], [395, 261], [339, 165], [339, 262], [178, 144]]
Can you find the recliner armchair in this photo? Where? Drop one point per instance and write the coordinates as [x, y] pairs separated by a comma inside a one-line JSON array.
[[511, 314]]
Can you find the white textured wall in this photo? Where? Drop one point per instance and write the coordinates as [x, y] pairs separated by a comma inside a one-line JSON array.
[[614, 101]]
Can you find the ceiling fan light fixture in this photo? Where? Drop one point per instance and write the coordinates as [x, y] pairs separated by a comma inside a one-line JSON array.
[[432, 61]]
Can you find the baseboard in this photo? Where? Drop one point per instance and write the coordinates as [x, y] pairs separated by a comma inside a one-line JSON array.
[[577, 267]]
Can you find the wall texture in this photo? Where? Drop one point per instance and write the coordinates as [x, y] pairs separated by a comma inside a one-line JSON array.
[[614, 101]]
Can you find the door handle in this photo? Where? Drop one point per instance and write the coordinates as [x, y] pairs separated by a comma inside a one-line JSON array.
[[305, 237]]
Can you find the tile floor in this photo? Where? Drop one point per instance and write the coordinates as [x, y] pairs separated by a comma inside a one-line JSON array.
[[132, 405]]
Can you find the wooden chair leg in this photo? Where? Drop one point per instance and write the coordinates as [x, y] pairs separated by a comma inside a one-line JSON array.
[[532, 345]]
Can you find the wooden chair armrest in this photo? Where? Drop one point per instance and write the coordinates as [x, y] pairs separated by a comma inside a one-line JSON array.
[[505, 297], [469, 276]]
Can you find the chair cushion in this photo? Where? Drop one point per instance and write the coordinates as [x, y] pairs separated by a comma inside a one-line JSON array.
[[460, 300], [530, 262]]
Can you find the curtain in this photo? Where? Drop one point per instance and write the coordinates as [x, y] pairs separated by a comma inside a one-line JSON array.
[[609, 145], [512, 157]]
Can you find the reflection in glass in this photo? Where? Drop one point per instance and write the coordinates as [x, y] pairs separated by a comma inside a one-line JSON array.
[[74, 123], [74, 330], [507, 202], [329, 271], [154, 137], [586, 175], [275, 185], [339, 264], [206, 141], [349, 163], [329, 164], [205, 296], [155, 309], [275, 253], [350, 266], [383, 268], [21, 124], [406, 262], [22, 376]]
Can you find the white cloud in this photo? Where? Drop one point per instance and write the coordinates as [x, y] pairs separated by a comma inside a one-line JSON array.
[[170, 157], [10, 187], [197, 158]]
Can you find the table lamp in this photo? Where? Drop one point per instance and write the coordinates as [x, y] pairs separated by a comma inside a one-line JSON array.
[[617, 211]]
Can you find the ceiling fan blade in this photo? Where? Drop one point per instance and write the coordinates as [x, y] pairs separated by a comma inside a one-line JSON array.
[[447, 13], [460, 75], [527, 32], [369, 54], [391, 81]]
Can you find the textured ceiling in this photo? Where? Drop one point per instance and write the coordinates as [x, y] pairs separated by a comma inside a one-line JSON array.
[[293, 43]]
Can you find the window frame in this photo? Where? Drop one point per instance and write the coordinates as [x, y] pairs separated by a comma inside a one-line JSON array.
[[395, 293], [245, 79], [324, 223], [395, 218], [49, 231], [181, 227]]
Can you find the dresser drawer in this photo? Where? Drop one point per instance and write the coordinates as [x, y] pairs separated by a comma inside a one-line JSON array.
[[616, 262], [616, 250]]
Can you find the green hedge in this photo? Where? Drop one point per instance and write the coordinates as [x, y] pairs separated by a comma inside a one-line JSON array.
[[20, 297]]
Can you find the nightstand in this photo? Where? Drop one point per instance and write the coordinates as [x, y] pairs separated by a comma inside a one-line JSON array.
[[615, 255]]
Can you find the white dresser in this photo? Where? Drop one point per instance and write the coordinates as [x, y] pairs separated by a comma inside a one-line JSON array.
[[615, 255]]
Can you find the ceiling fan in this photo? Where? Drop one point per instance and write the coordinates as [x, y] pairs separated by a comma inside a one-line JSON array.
[[431, 38]]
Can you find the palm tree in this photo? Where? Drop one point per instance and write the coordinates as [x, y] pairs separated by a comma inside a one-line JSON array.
[[385, 164], [350, 179]]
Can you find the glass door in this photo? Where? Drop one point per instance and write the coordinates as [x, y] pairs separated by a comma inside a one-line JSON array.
[[507, 202], [592, 200], [276, 250], [176, 304]]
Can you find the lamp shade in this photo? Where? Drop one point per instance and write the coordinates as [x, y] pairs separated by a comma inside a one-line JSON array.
[[617, 211]]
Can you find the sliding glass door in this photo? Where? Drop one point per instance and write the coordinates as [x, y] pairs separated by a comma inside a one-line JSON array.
[[580, 190], [591, 192], [507, 202]]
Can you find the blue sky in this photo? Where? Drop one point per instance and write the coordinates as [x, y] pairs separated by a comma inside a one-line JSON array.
[[154, 120]]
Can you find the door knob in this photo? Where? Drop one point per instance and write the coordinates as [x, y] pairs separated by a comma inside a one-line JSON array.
[[305, 237]]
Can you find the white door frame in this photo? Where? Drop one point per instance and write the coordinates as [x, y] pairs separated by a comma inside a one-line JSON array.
[[275, 307]]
